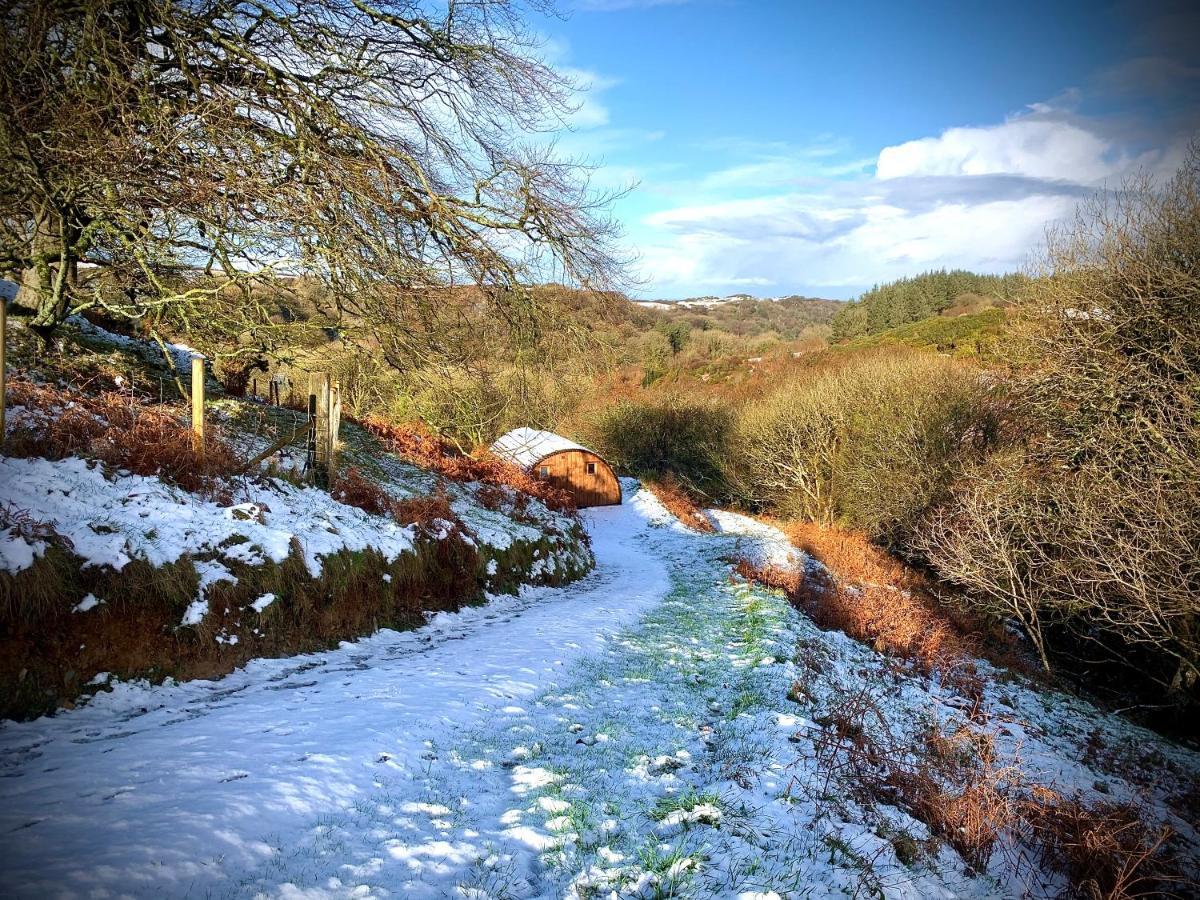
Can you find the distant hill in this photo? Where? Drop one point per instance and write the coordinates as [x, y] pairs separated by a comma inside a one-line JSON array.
[[746, 315], [712, 300]]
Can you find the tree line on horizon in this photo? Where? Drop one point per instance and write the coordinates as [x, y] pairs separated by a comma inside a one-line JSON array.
[[918, 297]]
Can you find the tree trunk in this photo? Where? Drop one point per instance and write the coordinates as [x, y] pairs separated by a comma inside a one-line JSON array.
[[1184, 681], [46, 284], [1033, 628]]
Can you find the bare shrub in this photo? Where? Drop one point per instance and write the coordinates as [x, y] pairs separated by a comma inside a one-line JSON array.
[[952, 778], [874, 443], [954, 781], [1093, 518], [991, 541], [470, 404], [235, 373]]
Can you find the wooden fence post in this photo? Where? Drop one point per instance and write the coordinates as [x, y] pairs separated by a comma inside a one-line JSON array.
[[3, 366], [324, 423], [322, 392], [198, 403], [335, 427], [310, 445]]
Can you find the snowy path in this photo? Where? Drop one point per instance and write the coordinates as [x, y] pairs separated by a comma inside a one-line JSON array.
[[150, 790]]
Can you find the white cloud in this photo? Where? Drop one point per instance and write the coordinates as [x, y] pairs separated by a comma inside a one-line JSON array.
[[781, 170], [838, 244], [1033, 148], [993, 236], [979, 198], [590, 111]]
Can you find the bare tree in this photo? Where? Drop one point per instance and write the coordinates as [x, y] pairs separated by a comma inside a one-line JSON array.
[[1092, 518], [992, 541], [162, 158]]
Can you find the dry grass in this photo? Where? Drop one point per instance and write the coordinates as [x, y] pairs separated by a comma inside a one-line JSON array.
[[431, 452], [952, 781], [889, 620], [355, 489], [955, 782], [495, 497], [969, 799], [675, 497], [877, 599], [961, 791], [425, 511], [48, 655], [122, 431], [851, 557], [1107, 851]]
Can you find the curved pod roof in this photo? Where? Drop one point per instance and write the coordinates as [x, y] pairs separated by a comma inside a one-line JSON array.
[[526, 447]]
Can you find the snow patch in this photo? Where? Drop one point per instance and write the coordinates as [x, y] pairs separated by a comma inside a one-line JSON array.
[[110, 521], [264, 601], [90, 602], [16, 552]]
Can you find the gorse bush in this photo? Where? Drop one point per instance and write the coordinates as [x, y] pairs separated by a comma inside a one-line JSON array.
[[873, 444], [671, 436]]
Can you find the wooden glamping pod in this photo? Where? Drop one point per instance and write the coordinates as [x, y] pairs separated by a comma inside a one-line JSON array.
[[551, 457]]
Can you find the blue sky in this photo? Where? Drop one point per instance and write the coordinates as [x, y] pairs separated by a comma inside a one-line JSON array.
[[818, 148]]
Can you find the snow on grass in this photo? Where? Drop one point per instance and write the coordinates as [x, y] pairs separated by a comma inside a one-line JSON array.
[[762, 544], [545, 745], [251, 428], [17, 552], [209, 573], [110, 521], [492, 528], [181, 354], [90, 602], [706, 782]]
